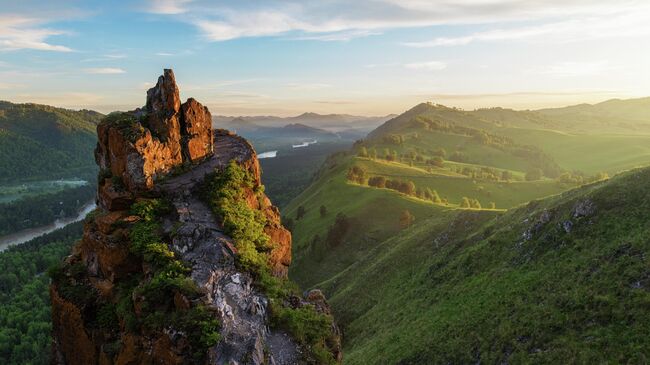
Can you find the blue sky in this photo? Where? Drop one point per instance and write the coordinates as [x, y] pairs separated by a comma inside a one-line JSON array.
[[370, 57]]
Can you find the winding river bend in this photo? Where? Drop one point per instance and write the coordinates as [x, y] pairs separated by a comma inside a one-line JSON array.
[[30, 233]]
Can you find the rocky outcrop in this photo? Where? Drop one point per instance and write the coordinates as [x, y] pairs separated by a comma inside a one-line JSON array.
[[165, 150], [135, 148]]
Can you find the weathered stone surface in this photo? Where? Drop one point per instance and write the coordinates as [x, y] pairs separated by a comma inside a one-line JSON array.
[[72, 346], [133, 152], [153, 140], [196, 126]]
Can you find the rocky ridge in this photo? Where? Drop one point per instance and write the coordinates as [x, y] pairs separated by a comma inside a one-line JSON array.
[[164, 151]]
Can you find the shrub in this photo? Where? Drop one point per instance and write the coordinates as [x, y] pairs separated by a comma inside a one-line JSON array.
[[377, 181], [357, 174]]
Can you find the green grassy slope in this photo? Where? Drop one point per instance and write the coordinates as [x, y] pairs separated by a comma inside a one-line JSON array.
[[588, 153], [374, 215], [39, 141], [611, 116], [551, 281], [526, 286]]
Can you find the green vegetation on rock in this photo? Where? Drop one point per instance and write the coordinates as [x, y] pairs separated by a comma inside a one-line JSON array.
[[226, 192]]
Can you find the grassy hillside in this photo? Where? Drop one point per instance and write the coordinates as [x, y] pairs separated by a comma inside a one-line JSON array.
[[611, 116], [557, 280], [43, 142], [562, 280]]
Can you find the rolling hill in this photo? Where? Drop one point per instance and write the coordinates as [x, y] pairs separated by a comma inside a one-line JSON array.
[[44, 142], [456, 278]]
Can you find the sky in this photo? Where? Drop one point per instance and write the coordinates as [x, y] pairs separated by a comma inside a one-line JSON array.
[[362, 57]]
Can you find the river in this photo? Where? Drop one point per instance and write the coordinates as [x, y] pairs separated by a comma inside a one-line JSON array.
[[30, 233]]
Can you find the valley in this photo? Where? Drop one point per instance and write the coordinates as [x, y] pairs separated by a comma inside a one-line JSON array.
[[445, 218]]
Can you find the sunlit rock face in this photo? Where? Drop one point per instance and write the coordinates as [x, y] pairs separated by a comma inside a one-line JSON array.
[[137, 152], [149, 142]]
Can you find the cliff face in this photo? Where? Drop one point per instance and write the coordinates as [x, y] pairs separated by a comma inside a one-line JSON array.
[[159, 275]]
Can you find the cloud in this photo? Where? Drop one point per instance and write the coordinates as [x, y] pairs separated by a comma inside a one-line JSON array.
[[427, 66], [164, 54], [9, 86], [344, 36], [167, 6], [106, 57], [19, 32], [616, 23], [575, 69], [104, 71], [325, 21], [307, 86]]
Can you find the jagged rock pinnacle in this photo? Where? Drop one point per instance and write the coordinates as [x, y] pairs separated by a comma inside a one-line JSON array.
[[135, 148]]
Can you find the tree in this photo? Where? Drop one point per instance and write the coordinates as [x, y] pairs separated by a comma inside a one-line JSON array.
[[534, 174], [407, 187], [337, 231], [406, 219], [506, 175], [493, 205], [357, 174], [440, 152], [437, 161], [377, 181], [323, 211], [301, 212], [435, 197], [373, 153], [465, 203], [363, 152], [289, 224], [475, 204]]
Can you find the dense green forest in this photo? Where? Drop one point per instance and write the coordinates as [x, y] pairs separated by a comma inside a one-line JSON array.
[[25, 320], [44, 142], [35, 211]]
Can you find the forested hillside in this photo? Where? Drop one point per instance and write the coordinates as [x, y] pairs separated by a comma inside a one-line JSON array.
[[44, 142], [25, 319]]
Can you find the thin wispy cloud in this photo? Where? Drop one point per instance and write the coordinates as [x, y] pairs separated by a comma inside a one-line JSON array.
[[104, 70], [618, 23], [169, 7], [426, 66], [307, 86], [164, 54], [21, 32], [320, 21], [344, 36], [575, 69], [107, 57]]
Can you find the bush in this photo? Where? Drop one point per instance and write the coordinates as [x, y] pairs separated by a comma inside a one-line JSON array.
[[377, 181], [357, 174], [534, 174]]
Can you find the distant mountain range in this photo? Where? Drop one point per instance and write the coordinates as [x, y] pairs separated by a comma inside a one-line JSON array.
[[40, 141], [329, 122]]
